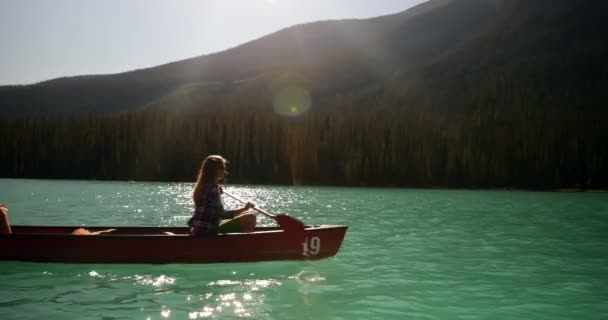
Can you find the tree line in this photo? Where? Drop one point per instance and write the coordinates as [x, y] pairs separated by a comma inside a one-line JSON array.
[[411, 147]]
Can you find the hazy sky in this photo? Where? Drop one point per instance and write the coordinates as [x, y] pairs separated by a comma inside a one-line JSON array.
[[45, 39]]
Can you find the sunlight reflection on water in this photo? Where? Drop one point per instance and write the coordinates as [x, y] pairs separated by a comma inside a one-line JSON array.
[[233, 297], [157, 281], [218, 298], [273, 199], [172, 203]]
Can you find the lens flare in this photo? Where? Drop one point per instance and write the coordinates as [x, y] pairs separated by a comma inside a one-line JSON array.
[[292, 101]]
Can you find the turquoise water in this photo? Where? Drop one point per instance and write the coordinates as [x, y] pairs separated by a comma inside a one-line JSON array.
[[408, 254]]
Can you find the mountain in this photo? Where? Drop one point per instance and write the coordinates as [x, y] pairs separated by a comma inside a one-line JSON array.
[[540, 55], [451, 93], [329, 57]]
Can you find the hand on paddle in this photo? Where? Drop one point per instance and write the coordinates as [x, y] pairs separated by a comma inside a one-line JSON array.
[[247, 206]]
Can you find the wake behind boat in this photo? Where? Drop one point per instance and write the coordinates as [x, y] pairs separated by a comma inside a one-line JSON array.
[[167, 245]]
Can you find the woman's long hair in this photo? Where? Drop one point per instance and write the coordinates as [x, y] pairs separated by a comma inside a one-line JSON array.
[[207, 174]]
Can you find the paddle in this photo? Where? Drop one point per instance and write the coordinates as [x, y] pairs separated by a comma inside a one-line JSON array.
[[287, 223]]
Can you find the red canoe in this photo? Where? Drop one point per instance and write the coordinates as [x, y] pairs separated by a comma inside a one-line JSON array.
[[153, 245]]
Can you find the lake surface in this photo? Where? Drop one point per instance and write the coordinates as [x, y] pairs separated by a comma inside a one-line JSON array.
[[408, 254]]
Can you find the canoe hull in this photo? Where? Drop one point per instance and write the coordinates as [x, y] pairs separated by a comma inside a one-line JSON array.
[[152, 245]]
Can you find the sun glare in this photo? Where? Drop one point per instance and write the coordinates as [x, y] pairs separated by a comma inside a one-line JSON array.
[[292, 101]]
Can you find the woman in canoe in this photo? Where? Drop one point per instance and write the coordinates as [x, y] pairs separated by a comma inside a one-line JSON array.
[[209, 216], [5, 227]]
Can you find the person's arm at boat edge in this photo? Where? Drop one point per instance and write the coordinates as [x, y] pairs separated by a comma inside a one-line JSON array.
[[5, 227]]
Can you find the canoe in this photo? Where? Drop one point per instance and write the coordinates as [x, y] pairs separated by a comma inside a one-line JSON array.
[[167, 245]]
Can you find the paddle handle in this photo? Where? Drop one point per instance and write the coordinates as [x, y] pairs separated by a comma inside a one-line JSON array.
[[264, 212]]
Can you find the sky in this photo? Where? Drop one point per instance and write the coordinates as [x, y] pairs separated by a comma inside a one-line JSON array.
[[47, 39]]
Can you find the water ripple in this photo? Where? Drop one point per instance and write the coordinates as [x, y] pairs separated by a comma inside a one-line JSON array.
[[419, 254]]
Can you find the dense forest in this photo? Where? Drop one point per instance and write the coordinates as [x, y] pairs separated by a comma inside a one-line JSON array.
[[492, 148], [499, 94]]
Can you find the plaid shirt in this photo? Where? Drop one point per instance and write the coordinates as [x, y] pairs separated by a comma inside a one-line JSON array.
[[207, 217]]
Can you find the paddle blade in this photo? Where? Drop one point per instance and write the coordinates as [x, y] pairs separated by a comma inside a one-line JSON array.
[[290, 224]]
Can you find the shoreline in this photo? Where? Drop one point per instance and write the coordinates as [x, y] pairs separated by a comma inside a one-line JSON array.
[[566, 190], [582, 190]]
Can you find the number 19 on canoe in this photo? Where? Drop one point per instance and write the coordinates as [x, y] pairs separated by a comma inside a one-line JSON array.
[[312, 246]]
